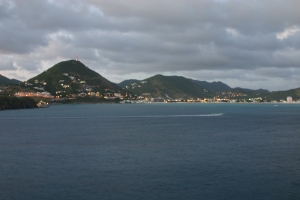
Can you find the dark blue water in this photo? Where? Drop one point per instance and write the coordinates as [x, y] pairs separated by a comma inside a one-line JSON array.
[[151, 151]]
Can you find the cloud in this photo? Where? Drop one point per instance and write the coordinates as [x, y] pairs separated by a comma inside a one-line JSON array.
[[228, 40], [7, 63], [287, 32]]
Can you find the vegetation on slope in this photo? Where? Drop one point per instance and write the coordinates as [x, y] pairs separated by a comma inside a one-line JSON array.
[[214, 86], [294, 93], [16, 103], [249, 91], [74, 69], [170, 86], [125, 83]]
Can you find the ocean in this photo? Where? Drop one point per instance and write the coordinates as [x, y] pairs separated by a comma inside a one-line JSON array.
[[151, 151]]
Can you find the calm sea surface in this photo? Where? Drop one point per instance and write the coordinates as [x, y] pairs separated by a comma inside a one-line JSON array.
[[151, 151]]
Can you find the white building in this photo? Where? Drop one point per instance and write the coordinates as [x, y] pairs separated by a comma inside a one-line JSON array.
[[289, 99], [158, 100]]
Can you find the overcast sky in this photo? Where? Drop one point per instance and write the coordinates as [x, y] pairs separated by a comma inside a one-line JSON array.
[[253, 44]]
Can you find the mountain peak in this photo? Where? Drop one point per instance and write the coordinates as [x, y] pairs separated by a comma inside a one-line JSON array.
[[72, 74]]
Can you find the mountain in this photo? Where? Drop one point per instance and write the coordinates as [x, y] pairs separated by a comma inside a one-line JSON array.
[[4, 80], [278, 95], [71, 77], [214, 86], [181, 87], [249, 91], [168, 87]]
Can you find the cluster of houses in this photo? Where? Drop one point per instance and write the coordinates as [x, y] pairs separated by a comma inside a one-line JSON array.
[[230, 94], [84, 90], [136, 85], [34, 94], [225, 96], [208, 100], [3, 89]]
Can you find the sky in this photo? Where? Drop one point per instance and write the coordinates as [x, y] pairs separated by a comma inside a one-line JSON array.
[[252, 44]]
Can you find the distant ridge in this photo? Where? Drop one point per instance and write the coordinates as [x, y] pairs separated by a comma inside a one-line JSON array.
[[294, 93], [4, 80], [214, 86], [166, 87], [186, 87], [249, 91]]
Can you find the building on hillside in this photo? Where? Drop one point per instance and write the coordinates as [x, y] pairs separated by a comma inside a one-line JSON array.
[[28, 84], [157, 100], [34, 94], [82, 94], [39, 88], [93, 94], [118, 94], [110, 97], [289, 99]]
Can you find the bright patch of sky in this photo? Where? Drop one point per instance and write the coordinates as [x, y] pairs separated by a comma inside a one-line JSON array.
[[95, 10], [287, 32], [232, 32]]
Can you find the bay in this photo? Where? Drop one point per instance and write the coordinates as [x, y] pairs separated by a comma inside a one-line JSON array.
[[151, 151]]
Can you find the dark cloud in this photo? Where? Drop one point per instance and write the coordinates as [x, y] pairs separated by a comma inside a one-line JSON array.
[[228, 40], [7, 63]]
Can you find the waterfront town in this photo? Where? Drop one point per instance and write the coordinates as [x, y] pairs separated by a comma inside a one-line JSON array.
[[69, 87], [88, 91]]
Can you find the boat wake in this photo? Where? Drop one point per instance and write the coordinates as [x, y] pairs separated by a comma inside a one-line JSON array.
[[198, 115], [201, 115], [127, 116]]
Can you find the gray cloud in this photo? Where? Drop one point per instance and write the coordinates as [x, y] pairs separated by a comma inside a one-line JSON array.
[[7, 63], [235, 41]]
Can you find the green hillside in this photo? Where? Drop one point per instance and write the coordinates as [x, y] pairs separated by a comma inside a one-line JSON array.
[[249, 91], [125, 83], [73, 74], [168, 87], [278, 95], [213, 86]]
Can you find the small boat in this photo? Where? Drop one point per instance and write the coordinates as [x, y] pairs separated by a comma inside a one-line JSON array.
[[42, 104]]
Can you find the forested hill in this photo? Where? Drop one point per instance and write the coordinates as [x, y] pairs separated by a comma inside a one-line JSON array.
[[168, 87], [214, 86], [74, 74]]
